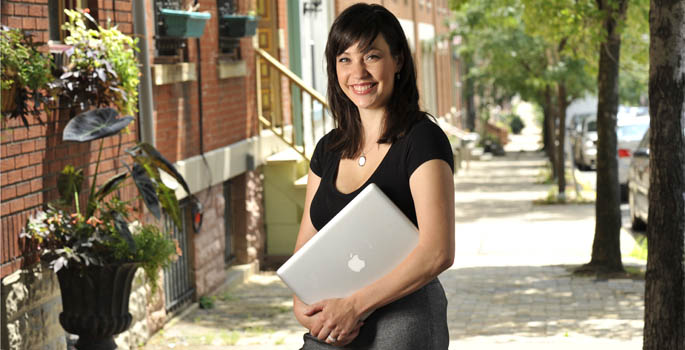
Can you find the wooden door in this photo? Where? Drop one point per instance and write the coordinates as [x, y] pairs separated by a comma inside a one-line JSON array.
[[267, 34]]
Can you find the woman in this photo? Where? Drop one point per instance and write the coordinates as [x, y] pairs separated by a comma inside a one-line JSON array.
[[381, 137]]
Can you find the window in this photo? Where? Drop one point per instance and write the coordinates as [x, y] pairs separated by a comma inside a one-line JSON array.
[[228, 47], [167, 46], [57, 17]]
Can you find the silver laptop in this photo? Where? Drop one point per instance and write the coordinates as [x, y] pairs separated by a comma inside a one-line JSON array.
[[366, 240]]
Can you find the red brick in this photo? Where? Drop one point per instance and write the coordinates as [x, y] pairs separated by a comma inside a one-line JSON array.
[[7, 193], [35, 10], [28, 146], [10, 267], [6, 136], [6, 164], [21, 161], [36, 157], [7, 8], [40, 144], [28, 22], [23, 188], [33, 200], [42, 23], [28, 173], [13, 149], [36, 185], [19, 134], [16, 205], [36, 131], [13, 176], [21, 9]]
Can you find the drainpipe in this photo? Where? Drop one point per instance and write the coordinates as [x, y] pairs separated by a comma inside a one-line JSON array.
[[145, 108]]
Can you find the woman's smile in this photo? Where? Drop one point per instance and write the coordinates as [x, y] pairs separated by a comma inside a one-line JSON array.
[[363, 89]]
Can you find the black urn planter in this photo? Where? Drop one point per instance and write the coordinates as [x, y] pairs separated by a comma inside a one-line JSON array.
[[95, 303]]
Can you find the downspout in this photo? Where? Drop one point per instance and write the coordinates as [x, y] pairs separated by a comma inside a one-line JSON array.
[[145, 108]]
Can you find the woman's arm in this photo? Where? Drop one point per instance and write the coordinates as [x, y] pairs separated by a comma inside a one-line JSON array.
[[432, 187]]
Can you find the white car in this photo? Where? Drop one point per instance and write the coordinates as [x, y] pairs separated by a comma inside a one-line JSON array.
[[585, 152], [629, 132]]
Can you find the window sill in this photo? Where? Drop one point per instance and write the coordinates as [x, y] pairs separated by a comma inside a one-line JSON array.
[[232, 69], [173, 73]]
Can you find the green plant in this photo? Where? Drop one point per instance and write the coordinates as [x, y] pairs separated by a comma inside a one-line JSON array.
[[101, 230], [102, 69], [515, 122], [207, 302], [26, 72]]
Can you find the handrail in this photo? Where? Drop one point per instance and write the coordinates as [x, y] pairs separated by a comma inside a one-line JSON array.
[[262, 57], [292, 77]]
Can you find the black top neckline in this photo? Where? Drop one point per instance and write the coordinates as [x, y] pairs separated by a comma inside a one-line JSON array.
[[363, 185]]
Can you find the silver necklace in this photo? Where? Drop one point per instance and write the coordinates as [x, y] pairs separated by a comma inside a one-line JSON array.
[[362, 159]]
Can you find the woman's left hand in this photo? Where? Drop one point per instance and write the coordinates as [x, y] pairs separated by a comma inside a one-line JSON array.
[[338, 322]]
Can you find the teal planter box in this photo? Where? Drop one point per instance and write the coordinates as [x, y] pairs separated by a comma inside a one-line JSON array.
[[237, 26], [184, 24]]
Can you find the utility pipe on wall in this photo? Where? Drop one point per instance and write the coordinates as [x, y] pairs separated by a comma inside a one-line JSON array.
[[145, 108]]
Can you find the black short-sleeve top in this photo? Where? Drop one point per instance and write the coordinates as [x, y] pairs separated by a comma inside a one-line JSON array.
[[424, 141]]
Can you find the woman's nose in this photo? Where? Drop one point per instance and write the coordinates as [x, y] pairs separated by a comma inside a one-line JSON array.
[[359, 70]]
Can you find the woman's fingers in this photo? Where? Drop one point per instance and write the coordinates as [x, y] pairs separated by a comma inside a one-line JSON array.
[[313, 309]]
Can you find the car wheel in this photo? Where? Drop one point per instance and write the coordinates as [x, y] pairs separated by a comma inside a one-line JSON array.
[[637, 224]]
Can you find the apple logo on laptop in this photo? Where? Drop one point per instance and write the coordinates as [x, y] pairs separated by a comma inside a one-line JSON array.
[[355, 263]]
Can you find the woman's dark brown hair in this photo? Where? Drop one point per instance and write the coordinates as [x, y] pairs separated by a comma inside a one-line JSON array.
[[361, 24]]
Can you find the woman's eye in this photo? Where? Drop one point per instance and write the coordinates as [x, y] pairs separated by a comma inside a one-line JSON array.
[[372, 57], [343, 59]]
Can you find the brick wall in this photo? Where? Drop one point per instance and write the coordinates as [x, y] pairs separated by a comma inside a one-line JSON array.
[[31, 157]]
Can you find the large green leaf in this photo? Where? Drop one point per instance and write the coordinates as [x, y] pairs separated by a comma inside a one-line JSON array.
[[146, 154], [146, 187], [69, 182], [122, 227], [95, 124], [109, 186], [167, 198]]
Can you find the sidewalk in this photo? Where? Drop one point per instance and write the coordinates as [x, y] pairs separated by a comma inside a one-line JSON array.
[[510, 286]]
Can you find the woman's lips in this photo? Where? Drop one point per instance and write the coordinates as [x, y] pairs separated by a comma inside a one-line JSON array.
[[363, 89]]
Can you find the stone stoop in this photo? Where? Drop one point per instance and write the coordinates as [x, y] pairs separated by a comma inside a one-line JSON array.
[[284, 192]]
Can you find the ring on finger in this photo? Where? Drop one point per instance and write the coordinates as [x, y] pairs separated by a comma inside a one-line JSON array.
[[331, 338]]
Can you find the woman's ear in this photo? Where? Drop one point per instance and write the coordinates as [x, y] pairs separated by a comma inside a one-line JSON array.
[[399, 61]]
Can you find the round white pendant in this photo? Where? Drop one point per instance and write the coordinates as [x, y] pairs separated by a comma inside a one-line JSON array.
[[362, 161]]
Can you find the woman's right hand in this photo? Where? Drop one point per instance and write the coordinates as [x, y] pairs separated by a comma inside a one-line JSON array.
[[310, 321]]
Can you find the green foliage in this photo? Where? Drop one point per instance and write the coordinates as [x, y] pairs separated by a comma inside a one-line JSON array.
[[207, 302], [103, 233], [153, 250], [102, 68], [515, 123], [24, 68]]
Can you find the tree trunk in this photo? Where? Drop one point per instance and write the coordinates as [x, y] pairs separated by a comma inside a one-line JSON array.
[[665, 279], [550, 118], [561, 141], [606, 248]]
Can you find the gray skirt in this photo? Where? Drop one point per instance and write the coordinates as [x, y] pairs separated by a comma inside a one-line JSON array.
[[417, 321]]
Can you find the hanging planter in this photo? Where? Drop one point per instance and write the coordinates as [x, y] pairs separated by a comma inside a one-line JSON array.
[[184, 24], [237, 26]]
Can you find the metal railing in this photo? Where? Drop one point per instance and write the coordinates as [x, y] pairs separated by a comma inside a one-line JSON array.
[[178, 286], [305, 121]]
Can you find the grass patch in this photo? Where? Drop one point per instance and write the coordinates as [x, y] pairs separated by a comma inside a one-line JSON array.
[[571, 197], [229, 338], [640, 248], [226, 296]]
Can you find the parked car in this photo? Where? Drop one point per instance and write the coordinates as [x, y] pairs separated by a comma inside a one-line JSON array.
[[629, 132], [585, 151], [638, 184], [575, 126]]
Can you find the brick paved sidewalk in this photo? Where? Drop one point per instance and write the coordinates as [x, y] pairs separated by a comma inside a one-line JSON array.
[[510, 286]]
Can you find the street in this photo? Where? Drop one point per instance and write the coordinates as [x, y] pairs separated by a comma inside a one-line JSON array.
[[510, 287]]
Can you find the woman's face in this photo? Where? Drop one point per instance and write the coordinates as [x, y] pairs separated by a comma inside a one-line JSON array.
[[367, 78]]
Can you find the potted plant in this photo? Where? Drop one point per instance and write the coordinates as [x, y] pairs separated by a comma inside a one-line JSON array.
[[101, 68], [237, 26], [184, 24], [95, 246], [25, 73]]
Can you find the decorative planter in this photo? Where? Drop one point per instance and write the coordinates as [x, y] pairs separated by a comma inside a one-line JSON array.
[[237, 26], [95, 303], [9, 99], [184, 24]]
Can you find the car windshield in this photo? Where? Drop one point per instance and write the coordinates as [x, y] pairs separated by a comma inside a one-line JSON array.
[[631, 132], [592, 126]]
